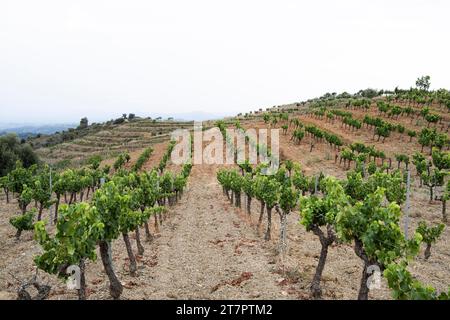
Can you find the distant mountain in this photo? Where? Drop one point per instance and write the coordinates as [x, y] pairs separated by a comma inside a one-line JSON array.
[[29, 130], [25, 130], [194, 115]]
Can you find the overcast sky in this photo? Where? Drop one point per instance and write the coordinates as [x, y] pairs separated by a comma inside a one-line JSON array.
[[62, 60]]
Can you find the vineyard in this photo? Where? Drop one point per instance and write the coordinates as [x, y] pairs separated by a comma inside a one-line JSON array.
[[360, 197], [107, 140]]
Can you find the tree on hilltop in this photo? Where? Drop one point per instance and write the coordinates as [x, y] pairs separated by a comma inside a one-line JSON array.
[[83, 123], [423, 83]]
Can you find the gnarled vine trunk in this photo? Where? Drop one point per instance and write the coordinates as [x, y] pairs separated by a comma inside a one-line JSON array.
[[41, 208], [237, 202], [82, 289], [261, 213], [156, 223], [269, 224], [148, 235], [325, 241], [133, 265], [138, 242], [427, 253], [283, 232], [444, 210], [363, 293], [249, 203], [7, 195], [115, 287]]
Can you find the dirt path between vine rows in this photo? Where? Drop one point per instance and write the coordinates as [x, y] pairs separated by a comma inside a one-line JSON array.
[[206, 251]]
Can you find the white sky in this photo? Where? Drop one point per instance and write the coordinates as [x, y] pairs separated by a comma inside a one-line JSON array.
[[61, 60]]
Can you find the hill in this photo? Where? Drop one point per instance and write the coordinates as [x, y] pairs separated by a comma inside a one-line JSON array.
[[211, 242], [29, 131], [75, 146]]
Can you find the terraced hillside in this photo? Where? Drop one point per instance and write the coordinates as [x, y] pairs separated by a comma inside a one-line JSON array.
[[218, 241], [110, 140]]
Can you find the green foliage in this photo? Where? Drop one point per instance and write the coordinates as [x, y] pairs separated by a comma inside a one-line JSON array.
[[430, 234], [109, 202], [281, 176], [356, 124], [288, 198], [24, 221], [395, 111], [333, 139], [400, 129], [383, 131], [224, 178], [11, 151], [314, 131], [402, 158], [298, 135], [246, 166], [405, 287], [94, 161], [41, 188], [357, 188], [186, 170], [432, 118], [25, 198], [163, 162], [289, 165], [248, 185], [148, 189], [77, 233], [179, 182], [371, 168], [70, 181], [315, 211], [347, 154], [441, 140], [166, 184], [125, 192], [120, 161], [411, 133], [433, 177], [4, 183], [377, 227], [268, 189], [19, 177], [106, 169], [441, 160], [130, 219], [427, 137], [145, 155], [300, 181], [423, 83], [419, 162]]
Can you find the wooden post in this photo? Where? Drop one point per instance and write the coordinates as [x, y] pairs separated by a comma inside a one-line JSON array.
[[315, 184], [408, 186]]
